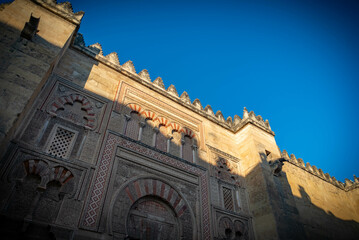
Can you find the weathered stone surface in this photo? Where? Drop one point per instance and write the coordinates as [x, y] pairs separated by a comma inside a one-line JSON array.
[[90, 149]]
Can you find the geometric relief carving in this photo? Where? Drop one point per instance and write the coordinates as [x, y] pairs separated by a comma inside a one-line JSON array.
[[75, 108]]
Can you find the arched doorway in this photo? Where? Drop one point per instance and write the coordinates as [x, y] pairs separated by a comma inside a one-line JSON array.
[[152, 218], [150, 208]]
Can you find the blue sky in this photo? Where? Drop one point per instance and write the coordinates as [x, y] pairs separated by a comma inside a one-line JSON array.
[[295, 63]]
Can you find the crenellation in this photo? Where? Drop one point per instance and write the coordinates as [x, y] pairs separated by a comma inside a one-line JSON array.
[[237, 120], [219, 116], [197, 104], [79, 40], [267, 124], [113, 58], [327, 177], [63, 9], [172, 90], [245, 113], [348, 185], [185, 98], [159, 83], [308, 167], [229, 121], [145, 75], [252, 116], [294, 159], [209, 111], [96, 48], [285, 155], [301, 162], [64, 6], [321, 173], [315, 170], [120, 146], [128, 66]]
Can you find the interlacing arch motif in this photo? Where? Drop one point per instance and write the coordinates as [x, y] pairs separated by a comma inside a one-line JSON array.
[[59, 104], [47, 174]]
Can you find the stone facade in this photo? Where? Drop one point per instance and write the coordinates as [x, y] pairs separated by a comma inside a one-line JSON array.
[[91, 149]]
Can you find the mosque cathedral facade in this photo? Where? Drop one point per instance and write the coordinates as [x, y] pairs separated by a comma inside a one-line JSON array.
[[91, 148]]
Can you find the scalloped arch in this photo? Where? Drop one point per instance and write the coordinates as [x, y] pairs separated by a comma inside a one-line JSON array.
[[70, 99]]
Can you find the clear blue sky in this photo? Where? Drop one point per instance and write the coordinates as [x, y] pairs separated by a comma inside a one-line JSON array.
[[295, 63]]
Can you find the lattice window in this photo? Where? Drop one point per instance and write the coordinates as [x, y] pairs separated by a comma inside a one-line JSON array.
[[227, 199], [61, 143]]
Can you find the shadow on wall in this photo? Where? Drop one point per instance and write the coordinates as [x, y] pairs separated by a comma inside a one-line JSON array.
[[27, 61], [67, 124], [298, 217], [320, 224]]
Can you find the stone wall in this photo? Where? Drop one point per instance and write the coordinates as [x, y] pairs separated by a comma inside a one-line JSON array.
[[96, 149]]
